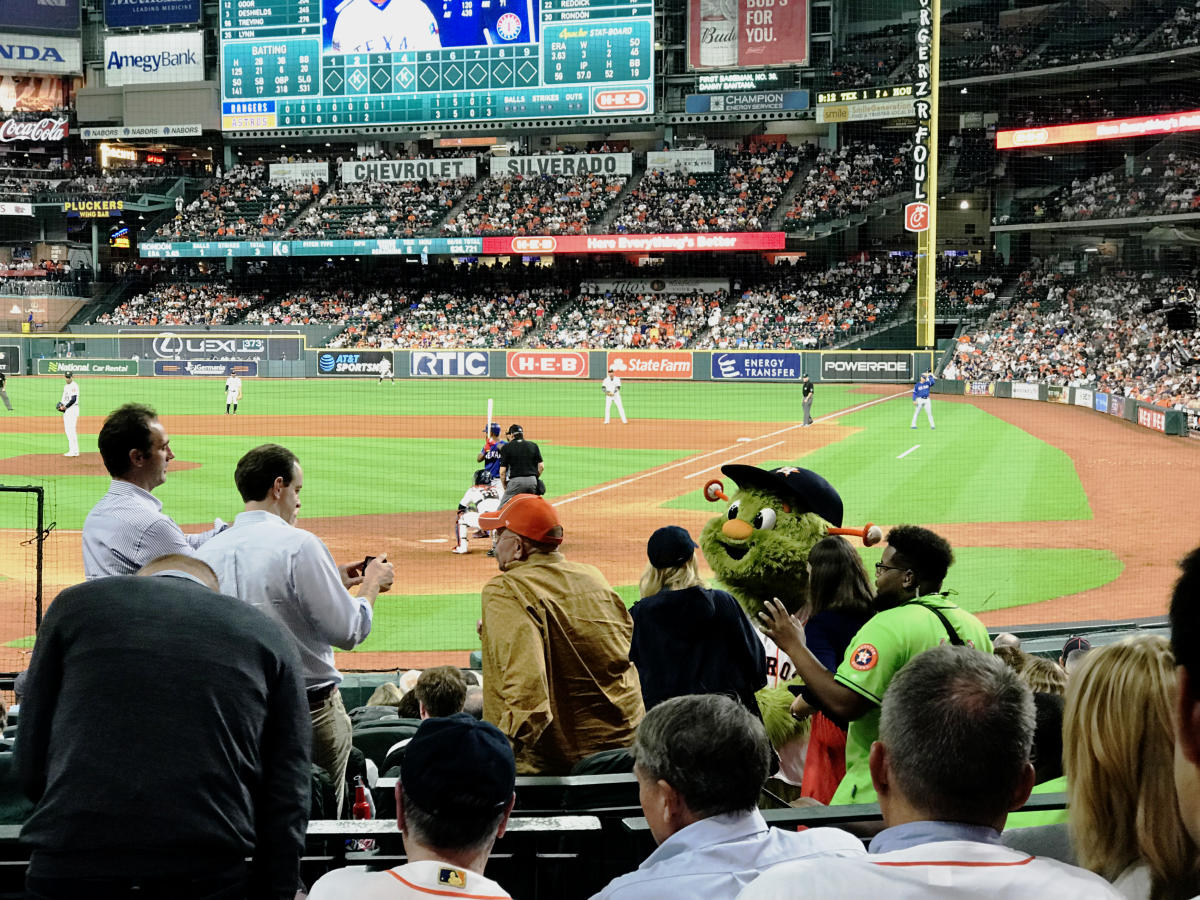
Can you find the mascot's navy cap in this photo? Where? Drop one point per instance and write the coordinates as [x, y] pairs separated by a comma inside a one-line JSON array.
[[807, 490]]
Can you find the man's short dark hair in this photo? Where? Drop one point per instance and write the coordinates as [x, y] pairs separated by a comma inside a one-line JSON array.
[[958, 727], [257, 470], [443, 832], [442, 690], [125, 428], [926, 553], [709, 748], [1185, 615]]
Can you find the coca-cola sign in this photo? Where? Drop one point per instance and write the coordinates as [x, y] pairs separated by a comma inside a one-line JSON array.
[[46, 129]]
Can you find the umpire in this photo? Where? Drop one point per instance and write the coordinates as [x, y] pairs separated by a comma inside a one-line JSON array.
[[520, 466]]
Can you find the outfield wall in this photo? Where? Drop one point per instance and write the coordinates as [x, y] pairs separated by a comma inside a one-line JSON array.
[[1147, 415]]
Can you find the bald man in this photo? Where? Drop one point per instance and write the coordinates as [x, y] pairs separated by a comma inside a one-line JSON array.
[[164, 740]]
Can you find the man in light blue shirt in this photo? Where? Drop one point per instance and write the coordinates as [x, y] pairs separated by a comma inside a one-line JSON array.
[[701, 761], [289, 574], [127, 528]]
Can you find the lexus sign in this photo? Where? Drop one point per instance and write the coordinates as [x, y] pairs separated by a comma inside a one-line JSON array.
[[868, 367], [547, 364]]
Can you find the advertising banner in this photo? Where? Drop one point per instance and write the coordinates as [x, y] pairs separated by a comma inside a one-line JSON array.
[[302, 171], [46, 15], [40, 54], [546, 364], [1101, 402], [355, 247], [1149, 417], [864, 112], [1107, 130], [980, 389], [1057, 393], [198, 346], [140, 13], [746, 101], [448, 363], [747, 34], [1085, 397], [39, 131], [632, 243], [94, 209], [16, 209], [579, 164], [112, 132], [33, 93], [87, 366], [10, 359], [758, 366], [654, 286], [154, 58], [1024, 391], [682, 160], [1116, 405], [650, 363], [868, 367], [353, 362], [409, 169], [219, 367]]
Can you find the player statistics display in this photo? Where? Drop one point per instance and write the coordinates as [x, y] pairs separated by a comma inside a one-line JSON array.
[[321, 63]]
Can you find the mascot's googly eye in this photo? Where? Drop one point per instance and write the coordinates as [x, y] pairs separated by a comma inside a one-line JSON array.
[[733, 509], [765, 519]]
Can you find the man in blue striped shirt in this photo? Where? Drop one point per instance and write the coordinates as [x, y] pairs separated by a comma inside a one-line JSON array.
[[128, 528]]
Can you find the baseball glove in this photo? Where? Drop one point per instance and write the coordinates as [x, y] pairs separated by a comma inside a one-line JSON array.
[[59, 407]]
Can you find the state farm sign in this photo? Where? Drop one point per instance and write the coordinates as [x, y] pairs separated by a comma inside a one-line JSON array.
[[650, 363], [532, 364], [1152, 418], [46, 129]]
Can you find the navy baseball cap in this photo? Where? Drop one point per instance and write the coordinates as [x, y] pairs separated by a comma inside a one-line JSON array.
[[670, 546], [458, 766], [804, 489]]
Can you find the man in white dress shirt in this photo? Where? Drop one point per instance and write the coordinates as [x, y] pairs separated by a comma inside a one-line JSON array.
[[128, 528], [289, 574], [701, 761], [951, 762], [612, 395], [69, 407]]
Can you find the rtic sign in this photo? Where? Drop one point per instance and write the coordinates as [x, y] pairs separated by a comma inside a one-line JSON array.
[[867, 367], [449, 363], [531, 364], [650, 364], [42, 130], [1152, 418]]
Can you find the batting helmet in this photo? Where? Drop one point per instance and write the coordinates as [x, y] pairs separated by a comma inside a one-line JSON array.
[[493, 429], [482, 476]]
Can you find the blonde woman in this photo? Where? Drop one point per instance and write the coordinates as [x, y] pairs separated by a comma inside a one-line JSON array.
[[689, 638], [1043, 676], [1118, 753]]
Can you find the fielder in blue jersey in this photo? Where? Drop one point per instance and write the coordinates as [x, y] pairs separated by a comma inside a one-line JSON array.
[[479, 23], [921, 398]]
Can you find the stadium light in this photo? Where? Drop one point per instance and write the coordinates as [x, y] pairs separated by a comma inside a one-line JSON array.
[[964, 204]]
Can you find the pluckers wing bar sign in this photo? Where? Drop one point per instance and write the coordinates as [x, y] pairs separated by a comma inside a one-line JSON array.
[[93, 209], [38, 132], [916, 214]]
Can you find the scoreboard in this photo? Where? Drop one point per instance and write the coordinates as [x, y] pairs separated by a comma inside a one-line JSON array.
[[299, 64]]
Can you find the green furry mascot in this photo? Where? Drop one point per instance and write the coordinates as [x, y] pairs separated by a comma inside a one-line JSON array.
[[758, 549]]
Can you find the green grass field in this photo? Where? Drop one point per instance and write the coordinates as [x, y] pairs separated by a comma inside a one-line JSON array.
[[971, 457]]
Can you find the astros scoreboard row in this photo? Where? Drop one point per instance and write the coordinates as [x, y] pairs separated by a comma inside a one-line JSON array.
[[322, 63]]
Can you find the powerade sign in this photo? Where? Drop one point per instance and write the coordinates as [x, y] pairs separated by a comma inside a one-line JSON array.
[[868, 367], [353, 362], [449, 364], [757, 366], [139, 13], [221, 368]]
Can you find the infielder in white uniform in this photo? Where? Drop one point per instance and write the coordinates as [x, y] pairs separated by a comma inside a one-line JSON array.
[[233, 393], [482, 497], [381, 26], [385, 371], [612, 394], [69, 407]]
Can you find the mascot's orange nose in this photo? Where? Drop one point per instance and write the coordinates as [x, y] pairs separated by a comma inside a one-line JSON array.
[[737, 529]]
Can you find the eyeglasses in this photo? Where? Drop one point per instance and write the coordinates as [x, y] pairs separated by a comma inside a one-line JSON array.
[[879, 567]]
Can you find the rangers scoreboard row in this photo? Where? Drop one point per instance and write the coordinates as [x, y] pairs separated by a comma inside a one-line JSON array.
[[322, 63]]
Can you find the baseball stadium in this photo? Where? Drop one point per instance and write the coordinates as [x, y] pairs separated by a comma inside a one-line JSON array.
[[767, 271]]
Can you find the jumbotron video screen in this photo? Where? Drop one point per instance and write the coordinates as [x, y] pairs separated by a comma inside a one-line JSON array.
[[321, 63]]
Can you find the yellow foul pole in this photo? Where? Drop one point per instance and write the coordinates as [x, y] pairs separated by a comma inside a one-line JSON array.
[[920, 216]]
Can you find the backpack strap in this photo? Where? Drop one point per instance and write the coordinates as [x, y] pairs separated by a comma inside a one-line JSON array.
[[953, 635]]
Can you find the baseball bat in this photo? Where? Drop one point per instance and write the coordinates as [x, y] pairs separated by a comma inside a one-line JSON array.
[[488, 423]]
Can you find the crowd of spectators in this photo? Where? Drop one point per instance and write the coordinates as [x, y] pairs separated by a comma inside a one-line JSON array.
[[604, 319], [739, 195], [1097, 107], [379, 209], [183, 303], [987, 50], [965, 288], [536, 204], [1181, 30], [846, 181], [241, 204]]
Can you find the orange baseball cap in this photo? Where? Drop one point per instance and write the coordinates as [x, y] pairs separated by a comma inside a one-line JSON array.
[[527, 515]]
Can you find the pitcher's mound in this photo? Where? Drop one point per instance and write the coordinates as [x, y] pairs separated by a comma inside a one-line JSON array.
[[45, 464]]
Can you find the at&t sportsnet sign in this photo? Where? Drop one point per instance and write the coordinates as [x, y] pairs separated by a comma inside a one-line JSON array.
[[650, 363], [449, 363], [547, 364], [353, 362], [757, 366]]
